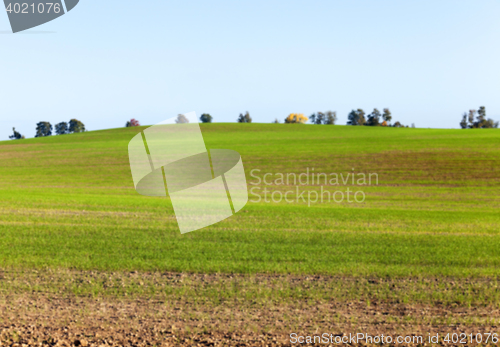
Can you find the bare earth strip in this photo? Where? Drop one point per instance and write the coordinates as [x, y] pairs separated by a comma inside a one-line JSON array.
[[66, 308]]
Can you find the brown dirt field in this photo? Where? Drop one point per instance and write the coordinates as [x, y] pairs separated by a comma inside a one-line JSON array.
[[43, 309]]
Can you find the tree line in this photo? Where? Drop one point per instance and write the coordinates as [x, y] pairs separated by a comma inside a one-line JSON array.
[[242, 118], [355, 117], [476, 119], [44, 129]]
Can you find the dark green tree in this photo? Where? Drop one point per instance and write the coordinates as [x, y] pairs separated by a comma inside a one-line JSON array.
[[480, 121], [463, 123], [480, 118], [61, 128], [490, 123], [43, 129], [245, 118], [356, 117], [75, 126], [387, 116], [472, 115], [206, 118], [331, 117], [16, 135], [312, 118], [320, 118], [374, 118], [481, 114]]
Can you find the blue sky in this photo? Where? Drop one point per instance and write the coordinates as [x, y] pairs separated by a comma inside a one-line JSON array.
[[109, 61]]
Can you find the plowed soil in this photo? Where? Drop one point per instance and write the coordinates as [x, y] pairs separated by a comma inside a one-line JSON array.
[[39, 309]]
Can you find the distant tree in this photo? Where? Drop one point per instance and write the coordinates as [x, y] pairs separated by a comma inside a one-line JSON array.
[[206, 118], [481, 114], [331, 117], [480, 121], [463, 123], [75, 126], [132, 123], [328, 117], [472, 115], [312, 118], [245, 118], [296, 118], [43, 129], [61, 128], [181, 119], [276, 121], [413, 125], [320, 118], [398, 125], [356, 117], [387, 116], [16, 135], [490, 123], [374, 118]]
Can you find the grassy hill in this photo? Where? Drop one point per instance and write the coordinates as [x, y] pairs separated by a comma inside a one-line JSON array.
[[69, 202]]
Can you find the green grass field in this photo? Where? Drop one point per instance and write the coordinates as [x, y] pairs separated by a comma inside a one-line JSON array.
[[68, 202]]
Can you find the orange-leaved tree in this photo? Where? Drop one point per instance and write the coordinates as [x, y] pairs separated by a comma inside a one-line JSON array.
[[296, 118]]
